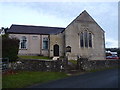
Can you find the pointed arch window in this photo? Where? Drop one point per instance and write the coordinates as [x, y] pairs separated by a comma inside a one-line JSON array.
[[86, 39], [81, 40], [90, 39]]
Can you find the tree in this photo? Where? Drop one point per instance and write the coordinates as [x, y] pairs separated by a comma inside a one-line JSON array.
[[118, 52], [4, 29], [10, 47]]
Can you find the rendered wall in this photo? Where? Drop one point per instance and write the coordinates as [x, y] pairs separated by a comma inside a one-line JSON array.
[[34, 44]]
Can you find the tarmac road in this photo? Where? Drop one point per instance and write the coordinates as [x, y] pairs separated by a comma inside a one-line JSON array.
[[100, 79]]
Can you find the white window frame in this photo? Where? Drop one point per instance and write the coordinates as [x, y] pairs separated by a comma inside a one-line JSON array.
[[43, 43], [21, 40]]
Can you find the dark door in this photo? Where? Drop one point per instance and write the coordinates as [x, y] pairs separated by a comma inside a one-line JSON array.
[[56, 50]]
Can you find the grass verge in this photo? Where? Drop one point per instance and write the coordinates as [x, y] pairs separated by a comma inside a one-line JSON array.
[[24, 79], [33, 57], [73, 61]]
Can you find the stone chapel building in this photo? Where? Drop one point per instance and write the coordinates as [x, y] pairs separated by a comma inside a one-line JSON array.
[[82, 37]]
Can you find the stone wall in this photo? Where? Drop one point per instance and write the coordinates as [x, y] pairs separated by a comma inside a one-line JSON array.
[[81, 24], [57, 40], [38, 65], [83, 64], [86, 65]]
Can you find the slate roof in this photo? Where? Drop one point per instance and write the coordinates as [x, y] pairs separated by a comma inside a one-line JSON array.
[[27, 29]]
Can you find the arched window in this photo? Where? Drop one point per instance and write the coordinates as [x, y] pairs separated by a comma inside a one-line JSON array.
[[90, 40], [85, 39], [23, 42], [81, 40]]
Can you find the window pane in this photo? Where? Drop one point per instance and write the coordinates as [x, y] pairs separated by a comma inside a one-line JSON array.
[[23, 42], [90, 40], [45, 43], [86, 38], [34, 37], [81, 40]]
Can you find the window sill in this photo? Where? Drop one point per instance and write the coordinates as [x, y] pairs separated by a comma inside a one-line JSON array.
[[86, 47], [22, 49], [45, 49]]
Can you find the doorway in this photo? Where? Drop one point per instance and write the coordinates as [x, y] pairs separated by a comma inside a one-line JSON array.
[[56, 50]]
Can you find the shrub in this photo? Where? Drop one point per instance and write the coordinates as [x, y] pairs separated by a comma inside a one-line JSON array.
[[118, 52], [10, 47]]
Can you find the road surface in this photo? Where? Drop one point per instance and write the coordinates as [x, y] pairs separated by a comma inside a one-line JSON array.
[[100, 79]]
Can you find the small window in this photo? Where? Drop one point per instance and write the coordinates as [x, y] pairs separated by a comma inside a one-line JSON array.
[[34, 37], [23, 42], [45, 43]]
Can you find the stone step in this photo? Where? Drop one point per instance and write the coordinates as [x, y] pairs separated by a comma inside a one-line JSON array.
[[55, 58]]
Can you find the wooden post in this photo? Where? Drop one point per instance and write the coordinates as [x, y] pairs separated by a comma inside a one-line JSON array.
[[78, 63], [66, 64]]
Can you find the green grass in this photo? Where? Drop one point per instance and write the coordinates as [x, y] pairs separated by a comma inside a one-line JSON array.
[[34, 57], [24, 79], [73, 61]]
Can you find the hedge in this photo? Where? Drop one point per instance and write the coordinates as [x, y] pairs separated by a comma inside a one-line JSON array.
[[10, 47]]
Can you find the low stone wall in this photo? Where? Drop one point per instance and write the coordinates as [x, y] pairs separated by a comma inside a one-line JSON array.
[[85, 64], [38, 65], [61, 65]]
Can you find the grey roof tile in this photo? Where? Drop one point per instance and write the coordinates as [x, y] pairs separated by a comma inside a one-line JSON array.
[[27, 29]]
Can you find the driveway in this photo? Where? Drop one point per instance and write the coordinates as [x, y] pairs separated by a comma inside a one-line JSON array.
[[100, 79]]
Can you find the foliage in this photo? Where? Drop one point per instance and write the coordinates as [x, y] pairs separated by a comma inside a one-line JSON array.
[[10, 47], [114, 50], [5, 29], [33, 57], [118, 52], [24, 79], [108, 54]]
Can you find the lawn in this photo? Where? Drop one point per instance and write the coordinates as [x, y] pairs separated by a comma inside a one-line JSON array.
[[33, 57], [24, 79], [73, 62]]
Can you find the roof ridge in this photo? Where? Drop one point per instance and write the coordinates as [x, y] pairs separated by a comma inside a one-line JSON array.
[[30, 29], [37, 26]]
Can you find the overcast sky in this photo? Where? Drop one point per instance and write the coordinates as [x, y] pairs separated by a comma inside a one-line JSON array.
[[60, 14]]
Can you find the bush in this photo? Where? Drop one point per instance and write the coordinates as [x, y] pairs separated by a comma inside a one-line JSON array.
[[118, 52], [10, 47]]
